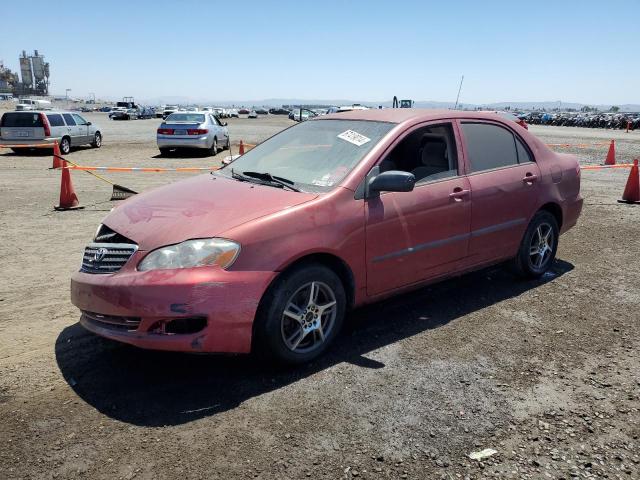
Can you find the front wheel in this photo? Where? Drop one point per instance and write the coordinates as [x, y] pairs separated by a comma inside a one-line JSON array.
[[301, 314], [538, 247], [97, 140]]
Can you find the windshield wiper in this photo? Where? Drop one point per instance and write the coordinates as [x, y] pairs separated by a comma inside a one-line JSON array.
[[267, 177]]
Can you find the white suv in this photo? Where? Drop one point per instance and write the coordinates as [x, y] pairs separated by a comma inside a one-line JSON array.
[[69, 129]]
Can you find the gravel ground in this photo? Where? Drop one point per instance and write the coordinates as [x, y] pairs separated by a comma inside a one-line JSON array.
[[546, 373]]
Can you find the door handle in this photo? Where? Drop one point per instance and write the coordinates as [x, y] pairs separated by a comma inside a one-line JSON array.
[[458, 193], [530, 177]]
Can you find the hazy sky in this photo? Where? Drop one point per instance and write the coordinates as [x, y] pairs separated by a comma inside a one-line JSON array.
[[583, 51]]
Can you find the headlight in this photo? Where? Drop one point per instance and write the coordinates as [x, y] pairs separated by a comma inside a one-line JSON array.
[[192, 253]]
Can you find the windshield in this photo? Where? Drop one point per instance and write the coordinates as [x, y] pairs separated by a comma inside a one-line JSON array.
[[186, 117], [315, 155]]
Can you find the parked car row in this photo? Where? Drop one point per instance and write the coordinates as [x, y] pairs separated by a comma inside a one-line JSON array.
[[588, 120]]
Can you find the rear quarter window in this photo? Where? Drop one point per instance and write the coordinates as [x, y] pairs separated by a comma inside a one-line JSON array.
[[21, 119], [489, 146], [55, 120]]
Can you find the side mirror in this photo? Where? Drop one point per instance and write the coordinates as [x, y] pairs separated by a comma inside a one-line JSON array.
[[392, 181], [88, 123], [224, 124]]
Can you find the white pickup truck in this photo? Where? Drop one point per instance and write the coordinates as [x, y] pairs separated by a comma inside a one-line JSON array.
[[30, 104]]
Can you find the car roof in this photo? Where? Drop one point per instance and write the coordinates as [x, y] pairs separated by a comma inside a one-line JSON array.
[[46, 112], [401, 115]]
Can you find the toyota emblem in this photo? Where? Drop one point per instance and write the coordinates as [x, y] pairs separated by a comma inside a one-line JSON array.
[[99, 255]]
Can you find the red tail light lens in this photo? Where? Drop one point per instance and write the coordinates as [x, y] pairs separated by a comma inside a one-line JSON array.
[[197, 131], [165, 131], [45, 125]]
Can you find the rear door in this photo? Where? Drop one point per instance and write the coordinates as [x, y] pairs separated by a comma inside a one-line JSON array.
[[504, 180], [21, 126]]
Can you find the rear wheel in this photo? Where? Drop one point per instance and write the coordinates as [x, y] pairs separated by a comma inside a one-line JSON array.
[[97, 140], [538, 247], [301, 314], [65, 145]]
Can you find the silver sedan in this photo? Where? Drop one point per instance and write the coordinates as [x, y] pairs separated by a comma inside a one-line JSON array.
[[197, 130]]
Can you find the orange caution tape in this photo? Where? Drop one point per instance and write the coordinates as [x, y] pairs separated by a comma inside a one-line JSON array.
[[579, 145], [35, 145], [139, 169], [603, 167]]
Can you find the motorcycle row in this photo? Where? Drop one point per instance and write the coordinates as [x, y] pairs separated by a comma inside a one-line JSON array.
[[590, 120]]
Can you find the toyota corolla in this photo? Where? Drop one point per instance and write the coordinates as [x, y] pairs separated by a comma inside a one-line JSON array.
[[270, 252]]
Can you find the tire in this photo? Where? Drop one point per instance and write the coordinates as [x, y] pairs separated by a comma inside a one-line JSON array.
[[296, 341], [165, 152], [214, 147], [97, 140], [65, 145], [530, 262]]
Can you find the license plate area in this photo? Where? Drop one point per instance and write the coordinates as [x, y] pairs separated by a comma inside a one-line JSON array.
[[179, 132], [21, 133]]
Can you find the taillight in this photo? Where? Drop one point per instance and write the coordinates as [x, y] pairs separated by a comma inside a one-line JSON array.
[[197, 131], [165, 131], [45, 125]]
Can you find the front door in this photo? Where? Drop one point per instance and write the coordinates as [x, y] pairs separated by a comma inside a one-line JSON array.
[[422, 234], [83, 129]]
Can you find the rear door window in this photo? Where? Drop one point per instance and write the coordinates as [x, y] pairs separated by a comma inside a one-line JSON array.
[[69, 119], [489, 146], [20, 119], [55, 120]]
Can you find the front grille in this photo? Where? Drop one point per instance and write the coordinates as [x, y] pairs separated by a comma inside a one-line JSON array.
[[107, 235], [126, 324], [106, 257]]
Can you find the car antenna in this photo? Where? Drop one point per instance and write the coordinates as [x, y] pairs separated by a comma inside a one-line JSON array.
[[455, 107]]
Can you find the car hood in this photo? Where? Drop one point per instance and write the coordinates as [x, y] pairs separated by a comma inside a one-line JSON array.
[[200, 207]]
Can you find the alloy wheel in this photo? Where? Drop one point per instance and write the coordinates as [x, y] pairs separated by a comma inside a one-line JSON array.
[[309, 317], [541, 247]]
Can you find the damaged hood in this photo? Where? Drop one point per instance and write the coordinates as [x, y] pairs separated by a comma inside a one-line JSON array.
[[199, 207]]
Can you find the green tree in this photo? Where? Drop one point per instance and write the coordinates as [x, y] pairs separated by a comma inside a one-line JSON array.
[[614, 109]]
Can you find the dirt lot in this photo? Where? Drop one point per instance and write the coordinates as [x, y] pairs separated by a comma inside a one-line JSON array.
[[547, 373]]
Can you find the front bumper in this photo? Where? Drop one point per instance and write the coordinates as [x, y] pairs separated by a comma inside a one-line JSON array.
[[170, 141], [227, 300]]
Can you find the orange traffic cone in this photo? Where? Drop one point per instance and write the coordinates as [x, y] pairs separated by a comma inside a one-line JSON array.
[[631, 192], [611, 154], [241, 150], [68, 198], [58, 161]]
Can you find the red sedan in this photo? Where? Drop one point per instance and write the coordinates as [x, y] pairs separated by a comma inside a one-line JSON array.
[[271, 251]]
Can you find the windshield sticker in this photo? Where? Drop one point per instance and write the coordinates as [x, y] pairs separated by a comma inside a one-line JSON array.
[[325, 181], [354, 137]]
